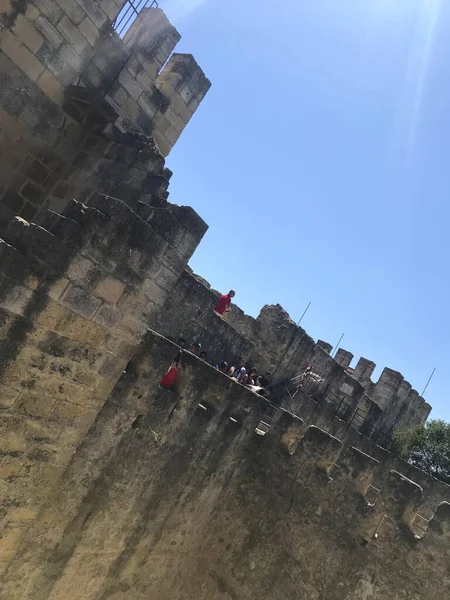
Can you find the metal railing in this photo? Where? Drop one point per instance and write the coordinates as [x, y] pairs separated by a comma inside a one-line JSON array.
[[129, 13], [316, 387]]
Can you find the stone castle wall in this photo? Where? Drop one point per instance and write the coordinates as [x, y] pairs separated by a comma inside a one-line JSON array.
[[111, 487], [277, 344], [74, 303], [197, 506], [71, 88]]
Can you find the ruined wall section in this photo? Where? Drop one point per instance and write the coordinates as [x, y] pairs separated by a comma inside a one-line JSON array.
[[75, 300], [199, 506]]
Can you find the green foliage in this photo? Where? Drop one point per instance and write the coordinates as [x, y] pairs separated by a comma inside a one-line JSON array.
[[427, 447]]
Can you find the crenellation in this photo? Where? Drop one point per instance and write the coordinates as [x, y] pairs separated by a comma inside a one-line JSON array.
[[343, 357], [285, 350], [325, 346]]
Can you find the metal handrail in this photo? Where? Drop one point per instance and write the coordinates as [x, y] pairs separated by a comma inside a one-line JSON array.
[[129, 13]]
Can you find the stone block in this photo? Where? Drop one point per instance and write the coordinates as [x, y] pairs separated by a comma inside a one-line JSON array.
[[12, 201], [57, 318], [72, 34], [130, 84], [154, 292], [83, 272], [80, 301], [146, 103], [13, 443], [175, 120], [56, 289], [70, 7], [326, 347], [27, 33], [31, 12], [15, 467], [15, 297], [68, 55], [193, 104], [94, 11], [52, 11], [180, 107], [111, 8], [164, 145], [22, 514], [9, 543], [34, 169], [54, 62], [130, 108], [8, 396], [111, 57], [131, 328], [24, 59], [149, 67], [85, 376], [120, 95], [75, 415], [144, 80], [42, 431], [171, 135], [103, 389], [34, 404], [107, 316], [167, 278], [109, 289], [89, 30], [50, 33], [112, 368]]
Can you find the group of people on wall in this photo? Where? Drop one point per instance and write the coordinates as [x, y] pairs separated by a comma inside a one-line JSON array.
[[246, 376], [249, 377]]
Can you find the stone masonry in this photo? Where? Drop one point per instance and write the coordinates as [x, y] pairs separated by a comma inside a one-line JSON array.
[[198, 507], [72, 96], [112, 488], [274, 342]]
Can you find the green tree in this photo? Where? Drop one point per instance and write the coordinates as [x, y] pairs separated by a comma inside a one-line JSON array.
[[427, 447]]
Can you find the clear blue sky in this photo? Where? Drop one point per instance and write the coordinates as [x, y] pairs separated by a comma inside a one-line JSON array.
[[319, 161]]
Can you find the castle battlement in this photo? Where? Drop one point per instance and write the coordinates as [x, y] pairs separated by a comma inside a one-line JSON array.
[[280, 346]]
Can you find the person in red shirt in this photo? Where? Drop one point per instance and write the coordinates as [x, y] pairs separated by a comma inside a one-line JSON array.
[[223, 304], [168, 379]]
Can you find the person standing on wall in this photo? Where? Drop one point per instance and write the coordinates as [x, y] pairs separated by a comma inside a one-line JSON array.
[[223, 304]]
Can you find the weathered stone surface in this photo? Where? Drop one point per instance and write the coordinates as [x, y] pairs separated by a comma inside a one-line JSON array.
[[204, 490], [109, 289], [112, 487]]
